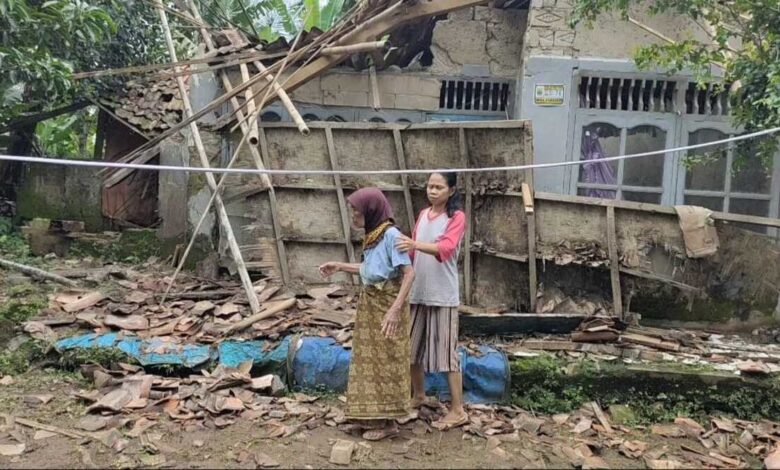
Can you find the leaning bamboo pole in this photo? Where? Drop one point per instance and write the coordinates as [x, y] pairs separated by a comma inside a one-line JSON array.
[[254, 303]]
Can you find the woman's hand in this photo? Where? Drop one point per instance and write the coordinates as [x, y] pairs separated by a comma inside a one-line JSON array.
[[404, 244], [329, 269], [391, 321]]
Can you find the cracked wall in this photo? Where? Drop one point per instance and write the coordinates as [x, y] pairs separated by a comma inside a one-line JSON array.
[[609, 37], [480, 41]]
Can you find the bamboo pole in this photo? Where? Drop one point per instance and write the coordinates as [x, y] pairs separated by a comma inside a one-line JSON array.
[[355, 48], [254, 303], [250, 107], [37, 273], [281, 252], [286, 101]]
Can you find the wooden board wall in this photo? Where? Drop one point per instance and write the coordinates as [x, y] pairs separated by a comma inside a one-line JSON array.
[[309, 211]]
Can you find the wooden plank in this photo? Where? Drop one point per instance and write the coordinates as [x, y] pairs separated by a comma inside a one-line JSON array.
[[246, 281], [519, 323], [659, 278], [530, 218], [504, 124], [653, 208], [345, 224], [649, 341], [282, 252], [601, 417], [528, 152], [614, 263], [401, 156], [468, 266]]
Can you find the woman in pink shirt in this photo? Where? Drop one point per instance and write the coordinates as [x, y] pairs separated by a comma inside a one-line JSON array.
[[435, 296]]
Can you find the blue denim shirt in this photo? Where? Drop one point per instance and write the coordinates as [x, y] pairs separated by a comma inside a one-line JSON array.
[[383, 261]]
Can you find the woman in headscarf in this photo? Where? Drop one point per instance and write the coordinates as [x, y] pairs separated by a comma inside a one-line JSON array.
[[379, 381]]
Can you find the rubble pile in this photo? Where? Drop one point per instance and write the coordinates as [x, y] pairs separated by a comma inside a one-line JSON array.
[[196, 310]]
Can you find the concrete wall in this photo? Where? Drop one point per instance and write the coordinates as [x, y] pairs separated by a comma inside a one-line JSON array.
[[64, 193], [397, 90], [610, 37]]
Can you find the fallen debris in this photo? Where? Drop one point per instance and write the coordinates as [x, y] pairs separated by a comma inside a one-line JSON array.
[[37, 273], [12, 450], [341, 452], [35, 425]]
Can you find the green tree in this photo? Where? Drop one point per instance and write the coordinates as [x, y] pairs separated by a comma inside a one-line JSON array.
[[268, 20], [744, 41]]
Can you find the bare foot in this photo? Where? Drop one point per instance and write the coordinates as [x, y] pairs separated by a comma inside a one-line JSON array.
[[390, 430], [452, 420], [417, 402]]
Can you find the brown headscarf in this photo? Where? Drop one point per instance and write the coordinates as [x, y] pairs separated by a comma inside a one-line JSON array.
[[376, 210]]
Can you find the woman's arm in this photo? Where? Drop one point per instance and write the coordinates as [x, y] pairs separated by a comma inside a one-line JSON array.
[[333, 267], [393, 315], [445, 246]]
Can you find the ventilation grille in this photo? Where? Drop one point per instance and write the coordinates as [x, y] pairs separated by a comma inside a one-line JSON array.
[[628, 94], [474, 96], [712, 100]]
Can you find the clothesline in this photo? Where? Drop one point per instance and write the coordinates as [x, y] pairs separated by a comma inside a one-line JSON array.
[[254, 171]]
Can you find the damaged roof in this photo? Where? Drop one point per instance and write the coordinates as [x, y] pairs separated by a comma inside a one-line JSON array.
[[151, 104]]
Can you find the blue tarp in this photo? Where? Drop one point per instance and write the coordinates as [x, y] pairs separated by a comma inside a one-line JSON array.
[[317, 362], [321, 362], [149, 352]]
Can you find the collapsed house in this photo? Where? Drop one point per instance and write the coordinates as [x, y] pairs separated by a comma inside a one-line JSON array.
[[549, 249]]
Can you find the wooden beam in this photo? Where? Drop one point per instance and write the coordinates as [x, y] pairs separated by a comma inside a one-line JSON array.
[[280, 248], [401, 156], [530, 218], [224, 220], [345, 225], [653, 208], [123, 173], [467, 258], [393, 17], [38, 117], [614, 262]]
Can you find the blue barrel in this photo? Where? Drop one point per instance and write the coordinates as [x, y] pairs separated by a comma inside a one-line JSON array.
[[321, 362]]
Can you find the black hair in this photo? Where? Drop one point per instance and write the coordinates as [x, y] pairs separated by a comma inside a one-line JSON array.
[[455, 202]]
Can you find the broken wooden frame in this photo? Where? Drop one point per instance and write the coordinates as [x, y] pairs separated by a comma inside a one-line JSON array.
[[312, 211], [507, 225]]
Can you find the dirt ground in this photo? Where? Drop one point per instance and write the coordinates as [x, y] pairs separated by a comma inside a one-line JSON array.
[[168, 444]]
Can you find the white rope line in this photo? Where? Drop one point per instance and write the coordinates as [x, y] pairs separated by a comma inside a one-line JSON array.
[[255, 171]]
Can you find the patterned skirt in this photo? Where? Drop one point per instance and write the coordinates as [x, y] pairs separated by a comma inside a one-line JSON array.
[[379, 381]]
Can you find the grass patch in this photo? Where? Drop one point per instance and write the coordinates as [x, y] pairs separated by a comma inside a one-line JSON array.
[[546, 384], [106, 357], [19, 361]]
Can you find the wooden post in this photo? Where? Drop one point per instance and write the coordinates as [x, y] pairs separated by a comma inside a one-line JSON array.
[[530, 218], [256, 156], [467, 267], [401, 156], [254, 303], [614, 262], [342, 200], [281, 251]]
